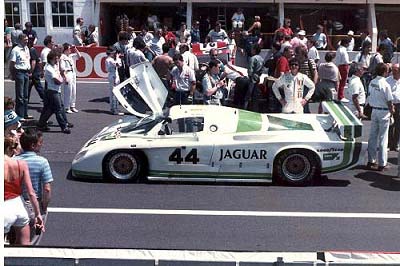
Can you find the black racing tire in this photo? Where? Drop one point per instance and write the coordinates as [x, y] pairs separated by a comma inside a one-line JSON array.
[[296, 167], [124, 166]]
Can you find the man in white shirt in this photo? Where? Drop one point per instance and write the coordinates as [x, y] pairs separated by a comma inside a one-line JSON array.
[[343, 63], [350, 36], [20, 69], [293, 83], [380, 99], [184, 81], [217, 34], [77, 32], [312, 51], [394, 130], [357, 92], [189, 58]]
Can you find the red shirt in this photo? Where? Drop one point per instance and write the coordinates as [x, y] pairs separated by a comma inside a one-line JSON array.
[[286, 31], [281, 66]]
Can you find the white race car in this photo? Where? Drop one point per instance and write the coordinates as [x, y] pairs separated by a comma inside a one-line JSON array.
[[216, 143]]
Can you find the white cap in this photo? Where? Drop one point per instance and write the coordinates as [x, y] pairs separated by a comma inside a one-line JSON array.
[[302, 32], [351, 33]]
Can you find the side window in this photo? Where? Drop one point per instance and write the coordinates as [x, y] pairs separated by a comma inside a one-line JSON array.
[[187, 125]]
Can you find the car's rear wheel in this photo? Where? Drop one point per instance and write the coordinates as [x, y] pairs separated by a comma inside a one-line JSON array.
[[296, 167], [124, 166]]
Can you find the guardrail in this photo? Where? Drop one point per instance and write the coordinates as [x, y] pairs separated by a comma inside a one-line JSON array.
[[14, 256]]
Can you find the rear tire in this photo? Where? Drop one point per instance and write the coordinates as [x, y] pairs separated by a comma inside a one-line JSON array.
[[296, 167], [124, 166]]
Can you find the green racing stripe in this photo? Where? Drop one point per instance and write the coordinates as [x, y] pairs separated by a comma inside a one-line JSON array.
[[351, 149]]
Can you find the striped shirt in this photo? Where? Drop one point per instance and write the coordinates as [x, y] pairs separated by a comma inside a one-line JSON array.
[[39, 171]]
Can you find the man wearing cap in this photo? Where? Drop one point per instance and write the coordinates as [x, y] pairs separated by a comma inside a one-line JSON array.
[[350, 36], [32, 35], [13, 127], [20, 67], [303, 38]]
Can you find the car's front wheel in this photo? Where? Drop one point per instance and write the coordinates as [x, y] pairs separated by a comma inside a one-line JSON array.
[[296, 167], [124, 166]]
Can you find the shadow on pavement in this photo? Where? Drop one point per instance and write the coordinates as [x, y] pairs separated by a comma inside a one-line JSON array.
[[97, 111], [324, 181], [380, 180], [100, 100], [393, 160]]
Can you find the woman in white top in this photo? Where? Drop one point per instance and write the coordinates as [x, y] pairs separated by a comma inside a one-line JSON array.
[[68, 72]]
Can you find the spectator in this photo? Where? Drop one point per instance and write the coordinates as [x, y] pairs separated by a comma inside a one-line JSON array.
[[15, 34], [93, 36], [350, 36], [343, 62], [157, 42], [213, 87], [255, 29], [307, 67], [20, 68], [189, 58], [147, 37], [35, 73], [254, 72], [183, 35], [32, 35], [214, 55], [232, 47], [121, 47], [12, 125], [77, 33], [135, 55], [364, 56], [286, 42], [320, 38], [217, 34], [48, 46], [376, 59], [272, 61], [162, 64], [9, 103], [388, 44], [380, 99], [238, 20], [312, 51], [302, 37], [68, 72], [53, 103], [394, 130], [282, 65], [293, 84], [365, 38], [357, 92], [328, 84], [39, 168], [132, 36], [195, 32], [113, 62], [16, 174], [7, 34], [286, 29], [184, 81], [169, 37]]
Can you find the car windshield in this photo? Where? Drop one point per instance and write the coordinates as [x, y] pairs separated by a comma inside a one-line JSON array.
[[141, 126]]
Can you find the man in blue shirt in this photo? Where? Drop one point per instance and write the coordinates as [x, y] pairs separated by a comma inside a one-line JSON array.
[[39, 169]]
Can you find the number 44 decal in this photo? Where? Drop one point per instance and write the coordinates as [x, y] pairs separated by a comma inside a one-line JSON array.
[[191, 157]]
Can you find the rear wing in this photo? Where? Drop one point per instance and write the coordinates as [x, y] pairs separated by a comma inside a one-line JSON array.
[[349, 125]]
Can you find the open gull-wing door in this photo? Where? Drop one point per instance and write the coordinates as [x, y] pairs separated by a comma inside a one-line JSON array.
[[143, 93]]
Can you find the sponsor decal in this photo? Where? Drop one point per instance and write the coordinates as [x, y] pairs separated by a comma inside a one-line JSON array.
[[330, 149], [331, 156], [245, 154]]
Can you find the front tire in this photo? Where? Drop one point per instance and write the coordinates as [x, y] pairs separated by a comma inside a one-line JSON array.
[[124, 166], [296, 167]]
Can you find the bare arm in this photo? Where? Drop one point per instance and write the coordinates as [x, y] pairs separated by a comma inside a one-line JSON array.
[[46, 196]]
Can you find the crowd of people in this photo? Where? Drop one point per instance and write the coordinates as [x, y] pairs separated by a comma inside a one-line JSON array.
[[370, 83]]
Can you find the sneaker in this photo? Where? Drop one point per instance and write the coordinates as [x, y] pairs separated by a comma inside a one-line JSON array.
[[73, 109], [372, 166], [344, 100], [66, 131], [68, 111], [70, 125]]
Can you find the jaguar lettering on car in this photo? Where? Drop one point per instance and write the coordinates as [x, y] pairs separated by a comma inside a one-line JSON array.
[[246, 154]]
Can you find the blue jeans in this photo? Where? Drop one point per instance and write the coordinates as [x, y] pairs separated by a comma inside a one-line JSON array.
[[53, 104], [21, 93], [181, 97]]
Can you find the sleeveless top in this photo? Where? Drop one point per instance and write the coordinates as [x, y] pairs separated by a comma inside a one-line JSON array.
[[13, 188]]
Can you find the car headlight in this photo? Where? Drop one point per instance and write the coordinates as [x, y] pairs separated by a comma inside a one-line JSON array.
[[80, 154]]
